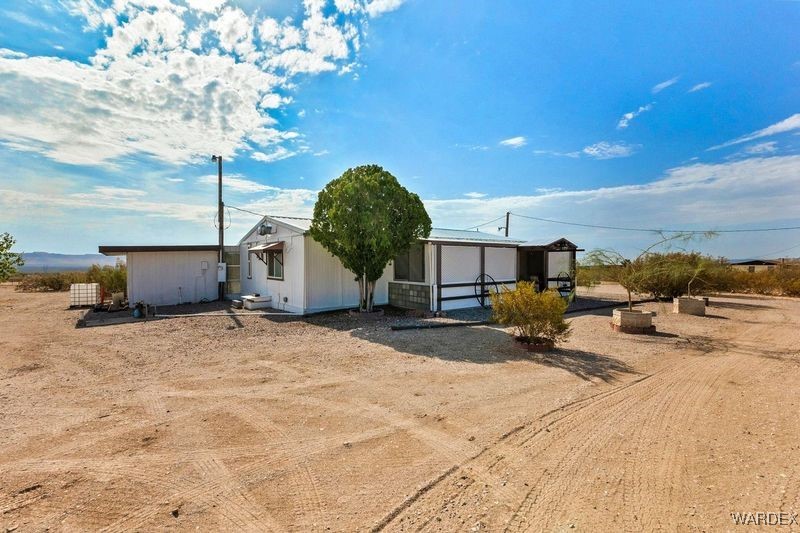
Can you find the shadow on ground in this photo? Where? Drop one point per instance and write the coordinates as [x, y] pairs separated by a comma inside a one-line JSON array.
[[737, 305], [585, 365]]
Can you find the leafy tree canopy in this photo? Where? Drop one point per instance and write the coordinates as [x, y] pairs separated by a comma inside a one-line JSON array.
[[9, 261], [365, 218]]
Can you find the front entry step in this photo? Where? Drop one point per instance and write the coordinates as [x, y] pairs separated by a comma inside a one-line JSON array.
[[256, 302]]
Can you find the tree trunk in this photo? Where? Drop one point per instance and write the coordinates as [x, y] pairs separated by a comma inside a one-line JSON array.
[[630, 300], [361, 293]]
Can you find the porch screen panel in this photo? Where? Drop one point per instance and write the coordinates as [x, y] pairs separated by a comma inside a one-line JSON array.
[[558, 262], [501, 263], [460, 264]]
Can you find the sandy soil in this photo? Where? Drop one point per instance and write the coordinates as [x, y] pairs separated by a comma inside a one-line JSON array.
[[254, 423]]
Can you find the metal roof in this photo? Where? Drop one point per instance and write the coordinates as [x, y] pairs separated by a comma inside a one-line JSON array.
[[122, 250], [298, 223], [302, 224], [479, 237]]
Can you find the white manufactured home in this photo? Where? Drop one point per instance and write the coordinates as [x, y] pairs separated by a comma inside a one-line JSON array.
[[278, 261]]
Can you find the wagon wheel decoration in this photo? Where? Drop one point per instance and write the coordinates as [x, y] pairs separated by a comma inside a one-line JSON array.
[[564, 284], [489, 285]]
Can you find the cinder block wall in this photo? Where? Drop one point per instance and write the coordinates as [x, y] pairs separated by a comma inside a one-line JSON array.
[[410, 296]]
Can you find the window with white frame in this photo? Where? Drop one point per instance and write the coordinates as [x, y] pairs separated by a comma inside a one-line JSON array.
[[275, 264]]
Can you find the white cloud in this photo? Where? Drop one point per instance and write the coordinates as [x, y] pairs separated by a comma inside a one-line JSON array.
[[234, 183], [758, 191], [475, 194], [627, 117], [658, 87], [172, 82], [473, 147], [700, 87], [280, 152], [789, 124], [376, 8], [12, 54], [205, 5], [514, 142], [609, 150], [575, 154], [115, 201], [175, 180], [762, 148]]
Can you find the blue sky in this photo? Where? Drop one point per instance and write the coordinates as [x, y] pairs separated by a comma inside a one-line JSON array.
[[685, 114]]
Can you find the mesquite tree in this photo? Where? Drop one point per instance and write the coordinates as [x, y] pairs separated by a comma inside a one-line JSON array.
[[9, 261], [642, 273], [365, 218]]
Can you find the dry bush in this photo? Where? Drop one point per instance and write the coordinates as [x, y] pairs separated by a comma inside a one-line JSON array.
[[51, 281], [537, 317], [112, 279]]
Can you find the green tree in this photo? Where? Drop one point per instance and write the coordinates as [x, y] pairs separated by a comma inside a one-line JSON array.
[[9, 261], [365, 218]]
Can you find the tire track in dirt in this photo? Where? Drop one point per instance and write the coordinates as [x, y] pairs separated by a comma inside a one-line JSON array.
[[633, 404], [497, 449]]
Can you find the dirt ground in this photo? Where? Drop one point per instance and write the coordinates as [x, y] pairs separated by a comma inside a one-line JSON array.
[[258, 423]]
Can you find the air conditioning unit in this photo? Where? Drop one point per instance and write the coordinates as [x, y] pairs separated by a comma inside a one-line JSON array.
[[266, 229]]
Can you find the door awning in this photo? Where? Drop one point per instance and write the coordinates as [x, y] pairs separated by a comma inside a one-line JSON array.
[[267, 247]]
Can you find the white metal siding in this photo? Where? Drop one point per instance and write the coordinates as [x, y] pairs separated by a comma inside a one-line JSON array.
[[292, 287], [330, 285], [168, 278]]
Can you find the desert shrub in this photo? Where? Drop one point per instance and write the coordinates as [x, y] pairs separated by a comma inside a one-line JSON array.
[[50, 282], [537, 317], [784, 281], [678, 273], [112, 279], [589, 276]]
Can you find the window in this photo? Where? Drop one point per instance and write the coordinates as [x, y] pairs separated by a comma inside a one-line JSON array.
[[410, 265], [275, 265], [751, 269]]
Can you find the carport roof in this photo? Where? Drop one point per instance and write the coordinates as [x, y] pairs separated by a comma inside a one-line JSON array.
[[122, 250], [442, 235]]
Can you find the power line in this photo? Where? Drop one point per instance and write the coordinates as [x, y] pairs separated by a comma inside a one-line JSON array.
[[655, 230], [485, 223], [265, 215], [777, 252], [246, 211]]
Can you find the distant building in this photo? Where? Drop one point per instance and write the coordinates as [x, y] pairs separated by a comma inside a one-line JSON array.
[[755, 265]]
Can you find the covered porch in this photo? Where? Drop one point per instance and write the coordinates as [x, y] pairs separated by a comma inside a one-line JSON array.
[[549, 266]]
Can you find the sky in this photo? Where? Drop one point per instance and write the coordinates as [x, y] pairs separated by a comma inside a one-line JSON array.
[[676, 115]]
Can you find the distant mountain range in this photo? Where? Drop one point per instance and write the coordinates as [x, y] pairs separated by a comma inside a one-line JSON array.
[[47, 262]]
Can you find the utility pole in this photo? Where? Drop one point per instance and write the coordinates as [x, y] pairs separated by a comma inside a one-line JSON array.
[[508, 214], [221, 219]]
